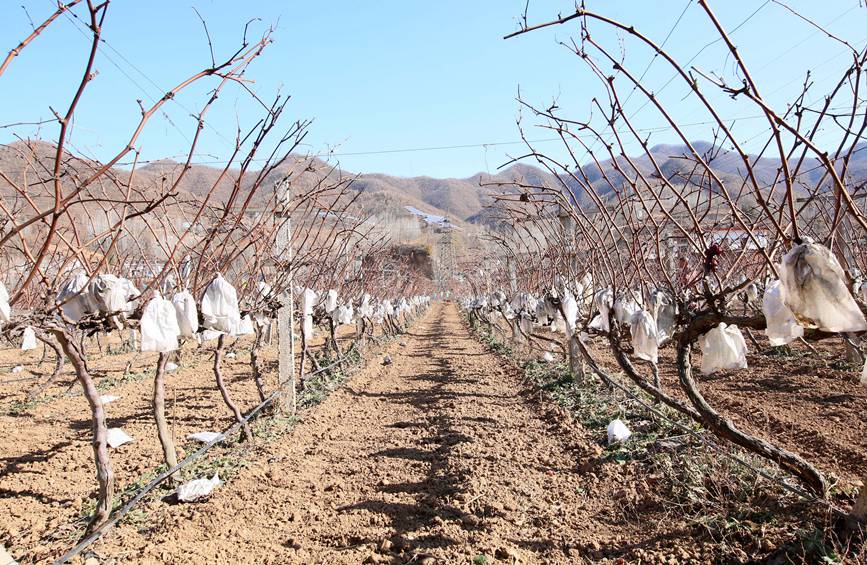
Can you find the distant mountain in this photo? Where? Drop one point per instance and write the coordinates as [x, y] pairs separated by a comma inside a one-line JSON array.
[[460, 200]]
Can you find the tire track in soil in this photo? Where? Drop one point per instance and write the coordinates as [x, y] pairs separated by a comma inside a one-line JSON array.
[[435, 458]]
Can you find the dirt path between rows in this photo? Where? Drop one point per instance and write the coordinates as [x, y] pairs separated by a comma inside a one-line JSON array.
[[436, 458]]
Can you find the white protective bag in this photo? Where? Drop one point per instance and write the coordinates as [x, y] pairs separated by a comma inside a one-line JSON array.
[[220, 311], [185, 311], [197, 489], [570, 310], [558, 324], [617, 431], [117, 437], [159, 326], [624, 308], [75, 303], [782, 327], [5, 310], [245, 326], [644, 342], [816, 290], [330, 301], [365, 310], [308, 301], [723, 348], [28, 340], [602, 301], [343, 315]]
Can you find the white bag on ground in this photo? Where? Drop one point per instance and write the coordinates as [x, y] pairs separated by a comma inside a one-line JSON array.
[[117, 437], [547, 357], [204, 437], [816, 290], [617, 431], [5, 309], [159, 326], [197, 489], [643, 331], [782, 327], [723, 348], [185, 310], [28, 340], [220, 310]]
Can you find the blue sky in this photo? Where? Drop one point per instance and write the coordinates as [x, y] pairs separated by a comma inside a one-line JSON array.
[[379, 76]]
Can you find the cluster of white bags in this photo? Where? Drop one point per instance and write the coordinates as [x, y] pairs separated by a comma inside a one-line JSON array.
[[343, 315], [723, 348], [105, 293]]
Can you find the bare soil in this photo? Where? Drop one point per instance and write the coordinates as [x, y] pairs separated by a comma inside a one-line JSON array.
[[47, 474], [446, 455], [436, 458]]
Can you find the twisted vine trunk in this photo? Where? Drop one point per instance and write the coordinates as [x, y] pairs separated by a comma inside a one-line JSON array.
[[159, 407], [332, 329], [654, 390], [256, 363], [726, 429], [218, 373], [99, 430]]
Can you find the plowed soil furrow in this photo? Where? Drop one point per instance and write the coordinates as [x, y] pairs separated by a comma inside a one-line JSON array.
[[437, 457]]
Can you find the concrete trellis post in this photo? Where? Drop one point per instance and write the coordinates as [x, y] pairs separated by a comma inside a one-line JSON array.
[[286, 314]]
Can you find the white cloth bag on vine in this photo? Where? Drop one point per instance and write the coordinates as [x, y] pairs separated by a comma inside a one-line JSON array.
[[187, 315], [782, 327], [602, 301], [308, 301], [816, 290], [220, 311], [644, 340], [28, 340], [723, 348], [5, 310], [159, 326], [570, 310], [330, 301], [343, 315]]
